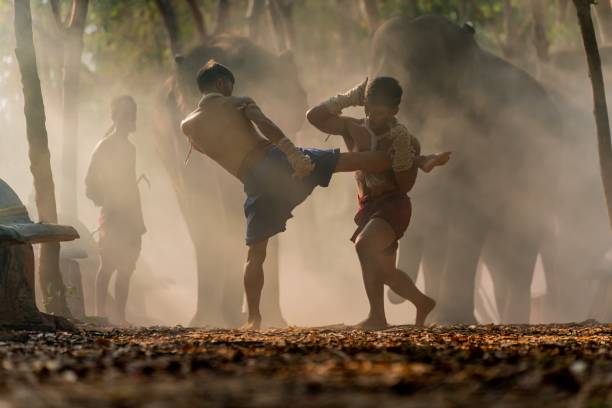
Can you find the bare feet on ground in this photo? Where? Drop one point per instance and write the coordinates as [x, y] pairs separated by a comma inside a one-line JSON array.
[[423, 309], [372, 323], [435, 160], [252, 324]]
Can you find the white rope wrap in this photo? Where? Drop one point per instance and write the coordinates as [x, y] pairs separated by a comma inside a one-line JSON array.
[[353, 97], [403, 152], [299, 161]]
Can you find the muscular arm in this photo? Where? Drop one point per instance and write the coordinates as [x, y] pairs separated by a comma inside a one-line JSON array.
[[406, 179], [265, 125], [301, 163], [327, 115], [327, 122]]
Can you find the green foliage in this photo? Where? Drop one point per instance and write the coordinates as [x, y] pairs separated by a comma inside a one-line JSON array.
[[125, 40]]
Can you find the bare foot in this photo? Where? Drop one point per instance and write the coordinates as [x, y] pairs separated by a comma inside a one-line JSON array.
[[372, 323], [252, 324], [435, 160], [423, 309]]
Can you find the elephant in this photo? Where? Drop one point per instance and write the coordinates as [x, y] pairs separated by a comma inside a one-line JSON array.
[[495, 202], [209, 198]]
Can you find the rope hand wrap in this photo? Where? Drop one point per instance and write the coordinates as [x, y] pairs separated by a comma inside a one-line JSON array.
[[353, 97], [301, 164]]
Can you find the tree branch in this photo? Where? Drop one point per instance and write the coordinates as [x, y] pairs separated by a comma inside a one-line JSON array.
[[583, 9], [168, 14], [198, 19]]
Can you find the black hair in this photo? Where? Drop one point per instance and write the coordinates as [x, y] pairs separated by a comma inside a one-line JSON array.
[[385, 91], [210, 72]]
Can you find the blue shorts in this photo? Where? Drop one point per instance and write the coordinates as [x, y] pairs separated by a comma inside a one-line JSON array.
[[272, 191]]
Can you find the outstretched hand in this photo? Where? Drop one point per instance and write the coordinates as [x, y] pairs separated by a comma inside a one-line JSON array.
[[434, 160]]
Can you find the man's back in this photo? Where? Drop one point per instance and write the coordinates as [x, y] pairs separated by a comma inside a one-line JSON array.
[[219, 129]]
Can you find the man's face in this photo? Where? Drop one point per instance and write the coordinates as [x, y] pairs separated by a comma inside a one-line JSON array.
[[131, 119], [225, 87], [379, 115], [126, 117]]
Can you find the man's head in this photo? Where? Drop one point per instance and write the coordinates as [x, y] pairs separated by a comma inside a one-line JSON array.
[[382, 99], [214, 77], [123, 113]]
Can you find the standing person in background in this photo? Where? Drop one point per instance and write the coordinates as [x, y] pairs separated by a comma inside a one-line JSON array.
[[112, 185]]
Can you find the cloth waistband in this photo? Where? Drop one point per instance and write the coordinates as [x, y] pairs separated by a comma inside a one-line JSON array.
[[391, 195], [253, 157]]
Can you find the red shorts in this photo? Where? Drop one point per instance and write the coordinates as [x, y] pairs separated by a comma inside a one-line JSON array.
[[395, 208]]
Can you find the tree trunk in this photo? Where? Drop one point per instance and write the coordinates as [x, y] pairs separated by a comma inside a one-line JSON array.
[[286, 10], [222, 16], [40, 162], [254, 14], [18, 309], [511, 31], [370, 8], [73, 35], [540, 40], [198, 18], [276, 17], [562, 11], [168, 14], [583, 8], [346, 30]]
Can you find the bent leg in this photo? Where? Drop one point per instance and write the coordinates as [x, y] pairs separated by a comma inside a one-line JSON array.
[[396, 279], [366, 161], [254, 281], [401, 284]]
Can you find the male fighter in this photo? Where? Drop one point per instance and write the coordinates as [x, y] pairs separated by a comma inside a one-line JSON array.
[[277, 176], [384, 207]]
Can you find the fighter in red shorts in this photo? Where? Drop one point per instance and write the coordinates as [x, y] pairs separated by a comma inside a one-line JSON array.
[[384, 207]]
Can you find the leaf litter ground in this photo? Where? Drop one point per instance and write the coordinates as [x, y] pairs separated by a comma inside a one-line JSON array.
[[542, 365]]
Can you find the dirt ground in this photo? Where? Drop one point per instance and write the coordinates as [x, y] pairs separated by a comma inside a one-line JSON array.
[[527, 366]]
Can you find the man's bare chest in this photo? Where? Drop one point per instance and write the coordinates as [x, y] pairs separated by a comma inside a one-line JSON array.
[[365, 140]]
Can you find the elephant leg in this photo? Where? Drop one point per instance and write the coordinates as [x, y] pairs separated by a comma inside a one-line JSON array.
[[208, 261], [465, 240], [435, 252], [513, 257], [494, 262]]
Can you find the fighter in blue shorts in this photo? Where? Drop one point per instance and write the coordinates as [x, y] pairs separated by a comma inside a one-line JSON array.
[[277, 176]]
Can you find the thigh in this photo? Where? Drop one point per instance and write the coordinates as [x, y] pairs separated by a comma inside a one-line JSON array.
[[367, 161], [376, 236]]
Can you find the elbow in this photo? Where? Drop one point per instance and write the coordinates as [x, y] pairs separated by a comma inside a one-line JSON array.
[[185, 127], [316, 116], [311, 116]]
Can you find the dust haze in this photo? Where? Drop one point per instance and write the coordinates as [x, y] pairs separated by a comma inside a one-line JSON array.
[[320, 279]]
